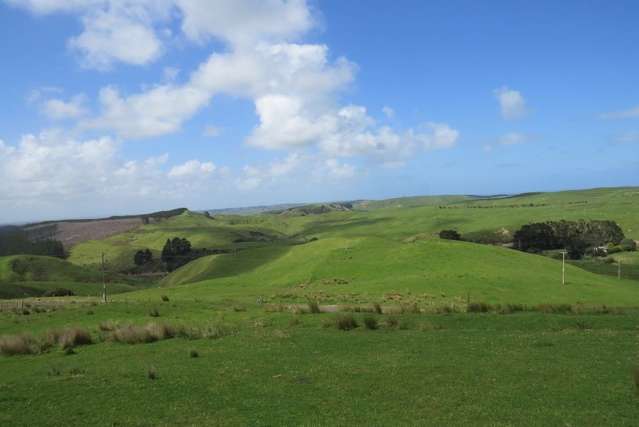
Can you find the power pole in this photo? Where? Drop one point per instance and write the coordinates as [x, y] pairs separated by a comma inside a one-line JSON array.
[[563, 267], [104, 289]]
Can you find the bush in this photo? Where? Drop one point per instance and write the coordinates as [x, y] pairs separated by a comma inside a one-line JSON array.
[[449, 235], [391, 322], [555, 308], [370, 322], [193, 354], [73, 337], [628, 245], [346, 322], [152, 373], [165, 298], [58, 292], [12, 345], [151, 332], [478, 307], [313, 307], [377, 308]]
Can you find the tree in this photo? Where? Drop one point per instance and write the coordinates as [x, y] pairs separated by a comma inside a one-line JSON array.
[[143, 257], [176, 252], [449, 235]]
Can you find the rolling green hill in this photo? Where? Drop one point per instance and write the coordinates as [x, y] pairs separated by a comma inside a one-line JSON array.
[[201, 231], [428, 272], [30, 275]]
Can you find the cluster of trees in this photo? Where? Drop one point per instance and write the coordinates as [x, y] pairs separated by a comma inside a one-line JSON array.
[[143, 257], [574, 236], [15, 241], [176, 253]]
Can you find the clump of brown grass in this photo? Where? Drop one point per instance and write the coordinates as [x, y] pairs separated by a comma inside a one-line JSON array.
[[13, 345], [73, 337], [136, 334]]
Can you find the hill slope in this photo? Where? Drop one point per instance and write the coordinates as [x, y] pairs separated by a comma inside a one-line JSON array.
[[375, 269], [29, 275]]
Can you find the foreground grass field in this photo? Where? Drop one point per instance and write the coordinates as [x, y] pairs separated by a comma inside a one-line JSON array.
[[287, 369]]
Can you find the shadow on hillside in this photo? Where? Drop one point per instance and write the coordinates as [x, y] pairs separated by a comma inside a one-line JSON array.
[[340, 225], [243, 261]]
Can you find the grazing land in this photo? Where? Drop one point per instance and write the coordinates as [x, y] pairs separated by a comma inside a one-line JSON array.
[[357, 313]]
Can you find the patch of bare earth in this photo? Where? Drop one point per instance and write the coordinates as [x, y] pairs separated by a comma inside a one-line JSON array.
[[72, 233]]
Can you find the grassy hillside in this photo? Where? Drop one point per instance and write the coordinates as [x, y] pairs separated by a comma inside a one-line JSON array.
[[201, 231], [29, 275], [429, 272]]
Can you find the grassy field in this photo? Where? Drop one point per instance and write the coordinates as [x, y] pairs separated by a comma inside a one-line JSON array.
[[543, 354], [286, 369]]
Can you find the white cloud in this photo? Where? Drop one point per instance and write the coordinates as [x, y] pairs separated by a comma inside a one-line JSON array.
[[158, 111], [170, 73], [623, 114], [339, 170], [388, 112], [51, 168], [511, 103], [244, 22], [131, 31], [436, 136], [513, 138], [58, 109], [191, 168], [212, 131], [110, 37]]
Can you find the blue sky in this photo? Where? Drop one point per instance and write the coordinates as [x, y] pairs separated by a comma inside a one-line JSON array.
[[121, 106]]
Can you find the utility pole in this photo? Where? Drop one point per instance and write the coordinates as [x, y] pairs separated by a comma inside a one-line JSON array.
[[104, 289], [563, 267]]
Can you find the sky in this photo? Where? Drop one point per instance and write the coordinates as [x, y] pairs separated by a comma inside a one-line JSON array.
[[129, 106]]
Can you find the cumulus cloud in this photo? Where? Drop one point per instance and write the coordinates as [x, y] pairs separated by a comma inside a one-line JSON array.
[[52, 166], [110, 37], [59, 109], [388, 112], [630, 113], [130, 31], [191, 168], [511, 103]]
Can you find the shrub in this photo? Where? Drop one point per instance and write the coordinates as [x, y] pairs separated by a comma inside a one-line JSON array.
[[130, 334], [313, 307], [152, 373], [107, 326], [370, 322], [449, 235], [165, 298], [345, 322], [555, 308], [478, 307], [391, 322], [59, 292], [628, 245], [154, 313], [12, 345], [73, 337], [193, 354]]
